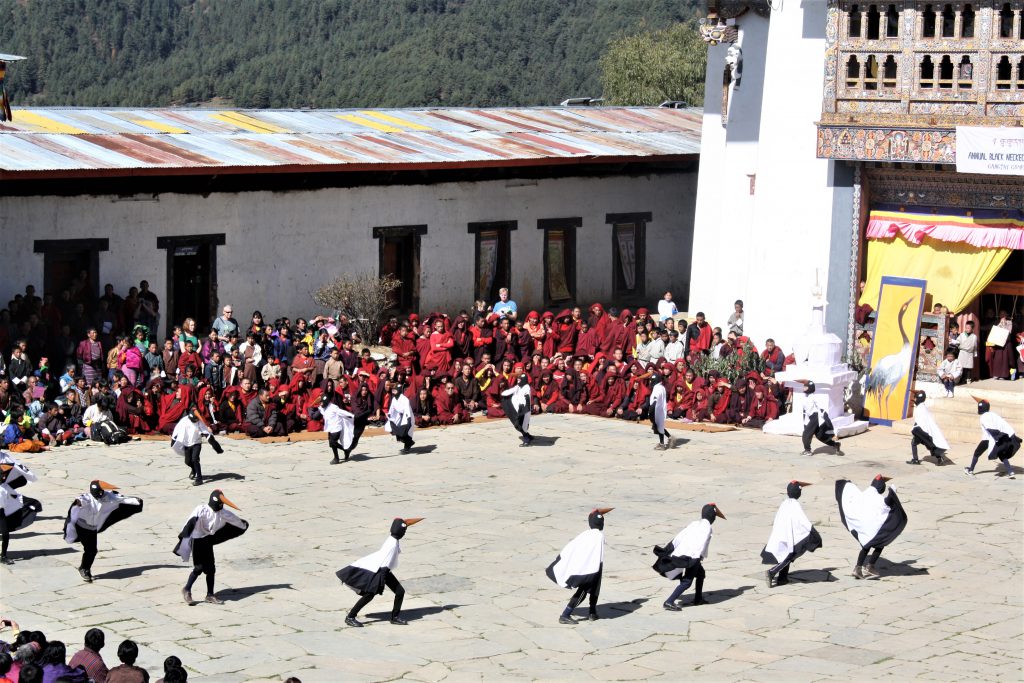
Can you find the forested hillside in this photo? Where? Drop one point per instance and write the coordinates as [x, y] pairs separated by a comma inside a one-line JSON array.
[[317, 53]]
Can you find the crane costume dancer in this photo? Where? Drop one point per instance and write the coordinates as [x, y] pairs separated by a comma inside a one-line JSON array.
[[659, 404], [20, 473], [369, 576], [187, 440], [16, 511], [208, 525], [517, 401], [92, 513], [817, 423], [580, 566], [340, 427], [875, 520], [682, 558], [927, 433], [792, 536], [400, 418], [998, 439]]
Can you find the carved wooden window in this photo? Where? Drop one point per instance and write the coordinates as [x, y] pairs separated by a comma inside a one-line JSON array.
[[871, 73], [967, 22], [965, 75], [853, 72], [928, 22], [927, 72], [889, 72], [946, 72], [892, 22], [874, 19], [1004, 74], [1005, 21], [854, 21], [948, 22]]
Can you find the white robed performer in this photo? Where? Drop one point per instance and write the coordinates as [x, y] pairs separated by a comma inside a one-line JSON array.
[[20, 473], [659, 411], [368, 576], [792, 536], [401, 423], [817, 423], [208, 525], [998, 440], [682, 558], [340, 426], [92, 513], [874, 519], [927, 433], [580, 566], [187, 440], [517, 402], [16, 511]]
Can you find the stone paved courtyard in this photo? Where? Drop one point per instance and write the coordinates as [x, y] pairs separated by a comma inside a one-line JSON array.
[[950, 605]]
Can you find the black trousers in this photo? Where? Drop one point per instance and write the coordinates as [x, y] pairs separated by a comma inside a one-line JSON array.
[[401, 433], [393, 585], [781, 570], [192, 459], [862, 557], [694, 573], [593, 589], [823, 432], [203, 562], [88, 539], [921, 437]]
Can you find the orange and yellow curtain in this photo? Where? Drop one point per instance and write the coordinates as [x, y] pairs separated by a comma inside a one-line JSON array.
[[958, 255]]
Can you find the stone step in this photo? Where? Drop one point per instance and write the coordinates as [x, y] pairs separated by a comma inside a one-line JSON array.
[[970, 434]]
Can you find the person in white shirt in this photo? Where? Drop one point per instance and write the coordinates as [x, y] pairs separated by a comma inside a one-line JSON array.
[[666, 308], [659, 340], [735, 321], [949, 372], [400, 418], [674, 350]]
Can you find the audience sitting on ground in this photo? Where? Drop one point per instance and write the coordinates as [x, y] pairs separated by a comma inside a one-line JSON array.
[[266, 379]]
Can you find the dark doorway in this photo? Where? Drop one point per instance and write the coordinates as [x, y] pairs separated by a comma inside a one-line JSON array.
[[73, 265], [400, 257], [191, 278], [559, 259]]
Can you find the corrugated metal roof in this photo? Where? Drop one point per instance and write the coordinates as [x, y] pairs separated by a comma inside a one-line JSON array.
[[64, 142]]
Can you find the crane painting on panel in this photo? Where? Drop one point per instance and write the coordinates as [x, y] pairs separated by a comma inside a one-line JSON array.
[[893, 349]]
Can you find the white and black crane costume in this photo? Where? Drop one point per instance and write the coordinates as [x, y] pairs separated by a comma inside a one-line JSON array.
[[659, 411], [208, 525], [340, 426], [401, 422], [817, 423], [682, 558], [92, 513], [792, 536], [926, 432], [187, 440], [369, 576], [580, 566], [517, 402], [998, 440], [20, 473], [874, 519], [16, 511]]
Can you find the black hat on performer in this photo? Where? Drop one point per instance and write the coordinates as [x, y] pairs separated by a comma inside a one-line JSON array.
[[97, 488], [596, 517], [710, 511], [794, 488], [399, 525]]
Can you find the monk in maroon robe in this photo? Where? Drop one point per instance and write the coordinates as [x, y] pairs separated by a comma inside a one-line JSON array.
[[174, 406], [130, 411]]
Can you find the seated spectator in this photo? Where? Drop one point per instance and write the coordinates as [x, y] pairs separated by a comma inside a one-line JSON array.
[[89, 657], [127, 672], [52, 660]]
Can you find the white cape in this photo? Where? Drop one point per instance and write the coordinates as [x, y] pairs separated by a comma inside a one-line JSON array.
[[924, 419], [520, 399], [791, 526], [582, 556], [19, 469], [400, 413], [188, 433], [93, 513], [659, 406], [994, 421], [387, 557], [865, 511], [208, 523], [339, 420]]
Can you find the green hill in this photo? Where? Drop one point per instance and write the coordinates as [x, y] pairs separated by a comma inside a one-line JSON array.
[[317, 53]]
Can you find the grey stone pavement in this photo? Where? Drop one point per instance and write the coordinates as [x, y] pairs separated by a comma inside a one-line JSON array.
[[950, 605]]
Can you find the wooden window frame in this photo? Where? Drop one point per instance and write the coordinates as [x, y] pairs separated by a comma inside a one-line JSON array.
[[640, 219], [380, 233], [483, 226]]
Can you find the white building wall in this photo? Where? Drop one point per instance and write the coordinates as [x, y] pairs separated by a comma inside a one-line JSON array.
[[279, 246], [787, 227]]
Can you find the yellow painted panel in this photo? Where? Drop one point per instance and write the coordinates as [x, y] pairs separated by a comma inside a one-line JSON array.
[[394, 119], [160, 126], [370, 124], [47, 124], [248, 123]]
